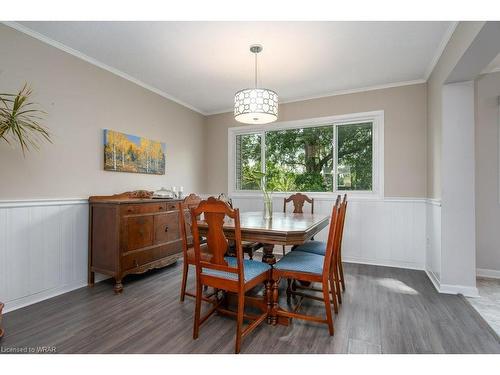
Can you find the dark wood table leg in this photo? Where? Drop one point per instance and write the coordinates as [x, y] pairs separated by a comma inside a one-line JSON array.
[[274, 309], [1, 329], [268, 256]]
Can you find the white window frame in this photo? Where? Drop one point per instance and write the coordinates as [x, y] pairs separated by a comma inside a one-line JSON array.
[[375, 117]]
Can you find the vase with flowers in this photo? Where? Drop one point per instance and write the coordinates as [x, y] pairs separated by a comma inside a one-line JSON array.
[[260, 179]]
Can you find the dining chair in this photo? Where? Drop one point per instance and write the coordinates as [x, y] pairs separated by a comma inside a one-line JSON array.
[[319, 247], [231, 274], [298, 200], [309, 267], [191, 201], [249, 247]]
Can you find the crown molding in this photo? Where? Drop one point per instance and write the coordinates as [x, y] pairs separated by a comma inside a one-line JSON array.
[[444, 42], [26, 30], [339, 92], [21, 28]]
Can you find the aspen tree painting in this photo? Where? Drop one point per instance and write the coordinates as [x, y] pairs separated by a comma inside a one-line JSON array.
[[130, 153]]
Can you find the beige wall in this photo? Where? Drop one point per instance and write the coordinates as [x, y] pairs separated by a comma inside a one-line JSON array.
[[81, 100], [405, 134], [487, 172], [461, 39]]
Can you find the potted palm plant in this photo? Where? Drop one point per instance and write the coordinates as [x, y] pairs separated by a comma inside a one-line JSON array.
[[19, 120]]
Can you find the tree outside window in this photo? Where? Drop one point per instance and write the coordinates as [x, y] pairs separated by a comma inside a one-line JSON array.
[[306, 160]]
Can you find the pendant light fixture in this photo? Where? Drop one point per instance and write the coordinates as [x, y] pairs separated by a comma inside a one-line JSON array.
[[256, 105]]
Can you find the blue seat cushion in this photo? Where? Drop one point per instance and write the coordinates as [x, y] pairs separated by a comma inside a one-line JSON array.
[[251, 269], [314, 247], [302, 262]]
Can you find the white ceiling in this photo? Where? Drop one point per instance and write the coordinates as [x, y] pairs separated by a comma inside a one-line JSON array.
[[202, 64]]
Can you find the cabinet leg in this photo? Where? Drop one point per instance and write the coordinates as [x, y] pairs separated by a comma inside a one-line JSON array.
[[118, 286]]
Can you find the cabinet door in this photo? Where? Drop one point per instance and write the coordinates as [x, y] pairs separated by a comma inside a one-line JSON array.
[[166, 227], [139, 232]]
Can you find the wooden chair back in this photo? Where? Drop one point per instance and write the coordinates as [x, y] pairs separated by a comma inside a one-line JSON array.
[[214, 213], [223, 197], [343, 209], [333, 240], [191, 201], [185, 228], [298, 200]]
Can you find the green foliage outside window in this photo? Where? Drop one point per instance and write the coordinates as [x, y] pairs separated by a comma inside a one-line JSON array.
[[248, 150], [354, 169], [303, 159], [300, 159]]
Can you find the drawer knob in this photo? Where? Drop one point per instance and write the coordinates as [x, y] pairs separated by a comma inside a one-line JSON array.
[[160, 207], [166, 228]]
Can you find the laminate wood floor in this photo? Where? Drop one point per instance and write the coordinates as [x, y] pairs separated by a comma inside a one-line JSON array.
[[488, 302], [384, 310]]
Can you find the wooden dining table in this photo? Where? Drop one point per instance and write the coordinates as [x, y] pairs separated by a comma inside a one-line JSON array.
[[282, 229]]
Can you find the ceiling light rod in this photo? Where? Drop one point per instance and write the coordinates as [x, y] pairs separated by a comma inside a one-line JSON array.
[[256, 49]]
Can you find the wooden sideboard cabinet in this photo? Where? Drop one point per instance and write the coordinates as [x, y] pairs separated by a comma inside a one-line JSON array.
[[132, 233]]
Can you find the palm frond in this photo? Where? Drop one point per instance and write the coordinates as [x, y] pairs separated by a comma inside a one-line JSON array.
[[19, 120]]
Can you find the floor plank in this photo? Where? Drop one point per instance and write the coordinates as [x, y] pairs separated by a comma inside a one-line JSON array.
[[384, 310]]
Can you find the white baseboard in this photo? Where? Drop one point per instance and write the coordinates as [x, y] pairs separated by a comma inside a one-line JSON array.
[[388, 263], [467, 291], [38, 297], [484, 272], [433, 278]]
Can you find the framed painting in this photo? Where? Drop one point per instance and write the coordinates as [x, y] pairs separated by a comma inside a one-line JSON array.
[[130, 153]]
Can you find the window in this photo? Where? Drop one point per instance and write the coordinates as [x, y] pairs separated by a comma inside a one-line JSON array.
[[354, 157], [248, 151], [327, 155]]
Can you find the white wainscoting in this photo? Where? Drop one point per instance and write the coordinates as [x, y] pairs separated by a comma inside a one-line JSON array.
[[389, 232], [43, 249], [43, 243]]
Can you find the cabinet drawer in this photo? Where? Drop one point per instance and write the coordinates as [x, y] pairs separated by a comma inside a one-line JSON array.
[[139, 231], [172, 206], [145, 208], [141, 258], [166, 227]]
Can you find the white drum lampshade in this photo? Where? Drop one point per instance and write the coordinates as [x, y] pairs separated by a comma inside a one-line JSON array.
[[256, 105]]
